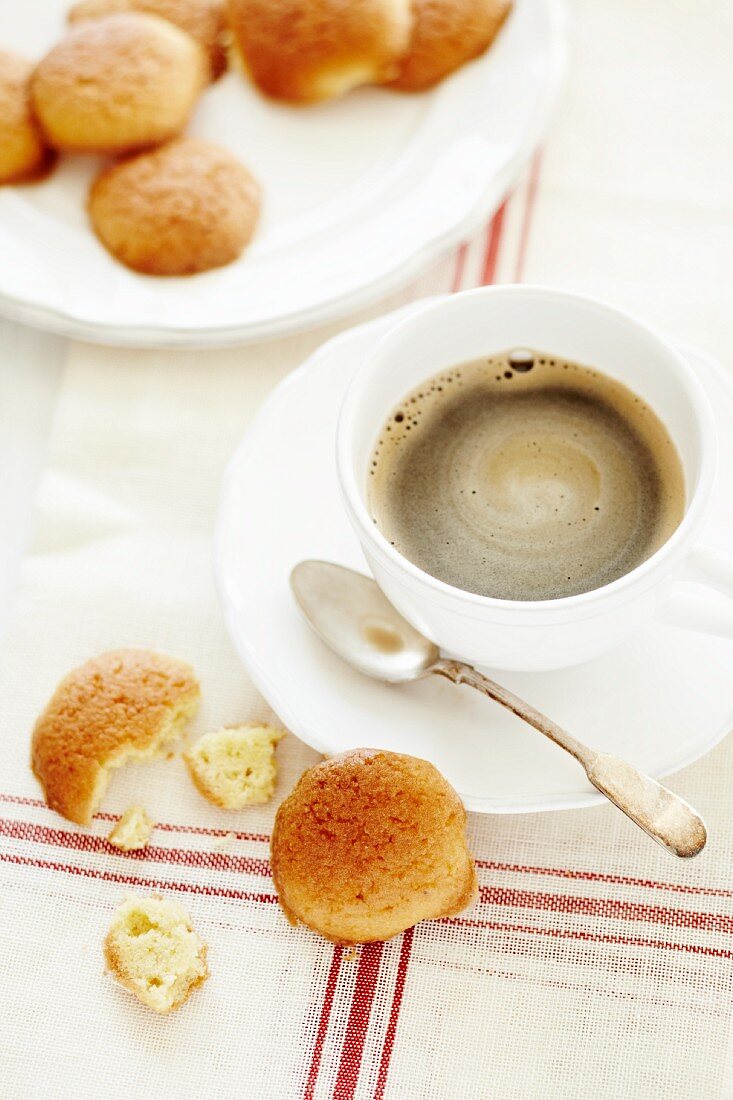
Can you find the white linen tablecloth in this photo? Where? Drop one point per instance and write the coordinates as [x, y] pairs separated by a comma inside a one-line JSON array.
[[593, 964]]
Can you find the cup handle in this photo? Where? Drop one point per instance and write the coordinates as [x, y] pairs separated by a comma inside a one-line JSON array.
[[688, 607]]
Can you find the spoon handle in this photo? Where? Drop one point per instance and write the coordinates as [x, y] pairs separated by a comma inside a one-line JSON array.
[[459, 673], [664, 816]]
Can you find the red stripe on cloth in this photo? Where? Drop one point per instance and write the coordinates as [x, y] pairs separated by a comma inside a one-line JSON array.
[[600, 876], [358, 1021], [460, 268], [394, 1014], [532, 187], [87, 842], [195, 830], [589, 937], [323, 1022], [464, 922], [493, 241], [135, 880], [490, 895], [610, 908], [490, 865], [19, 800]]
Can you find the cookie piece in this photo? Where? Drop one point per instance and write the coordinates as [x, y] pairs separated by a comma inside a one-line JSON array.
[[152, 949], [446, 34], [128, 704], [132, 832], [202, 19], [187, 207], [368, 844], [117, 84], [303, 51], [235, 767], [23, 153]]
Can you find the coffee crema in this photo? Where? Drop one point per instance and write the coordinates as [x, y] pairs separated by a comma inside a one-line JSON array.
[[525, 477]]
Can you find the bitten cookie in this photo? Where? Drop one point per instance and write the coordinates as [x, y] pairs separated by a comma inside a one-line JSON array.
[[153, 950], [187, 207], [23, 152], [117, 84], [235, 767], [446, 34], [368, 844], [125, 705], [202, 19], [303, 51]]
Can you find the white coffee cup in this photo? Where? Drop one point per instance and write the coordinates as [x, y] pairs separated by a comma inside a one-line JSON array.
[[537, 634]]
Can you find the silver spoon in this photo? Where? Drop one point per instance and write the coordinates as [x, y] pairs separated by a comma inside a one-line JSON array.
[[350, 613]]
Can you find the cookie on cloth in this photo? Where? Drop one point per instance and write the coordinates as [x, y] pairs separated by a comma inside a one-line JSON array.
[[23, 152], [184, 208], [235, 767], [116, 84], [368, 844], [202, 19], [132, 832], [445, 35], [129, 704], [153, 950], [303, 51]]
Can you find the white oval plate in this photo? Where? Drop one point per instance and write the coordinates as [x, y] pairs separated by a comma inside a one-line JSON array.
[[360, 195], [662, 701]]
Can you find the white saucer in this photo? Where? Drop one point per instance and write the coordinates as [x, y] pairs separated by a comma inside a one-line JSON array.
[[662, 701], [359, 196]]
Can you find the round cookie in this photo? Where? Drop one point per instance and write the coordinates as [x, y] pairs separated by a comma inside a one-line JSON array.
[[202, 19], [186, 207], [117, 84], [23, 152], [368, 844], [303, 51], [446, 34]]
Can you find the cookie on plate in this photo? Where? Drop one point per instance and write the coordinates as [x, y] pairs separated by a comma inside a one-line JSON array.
[[446, 34], [24, 154], [368, 844], [116, 84], [129, 704], [186, 207], [303, 51], [202, 19]]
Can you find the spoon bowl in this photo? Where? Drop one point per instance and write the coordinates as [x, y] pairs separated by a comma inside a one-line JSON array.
[[351, 614]]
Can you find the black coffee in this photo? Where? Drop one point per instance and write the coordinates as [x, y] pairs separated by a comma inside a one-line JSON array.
[[525, 477]]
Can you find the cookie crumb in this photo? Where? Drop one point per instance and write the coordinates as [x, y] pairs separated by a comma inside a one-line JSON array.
[[132, 831]]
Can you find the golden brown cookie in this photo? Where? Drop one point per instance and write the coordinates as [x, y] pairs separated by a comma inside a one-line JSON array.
[[368, 844], [202, 19], [446, 34], [23, 152], [153, 950], [186, 207], [117, 84], [235, 767], [125, 705], [303, 51]]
